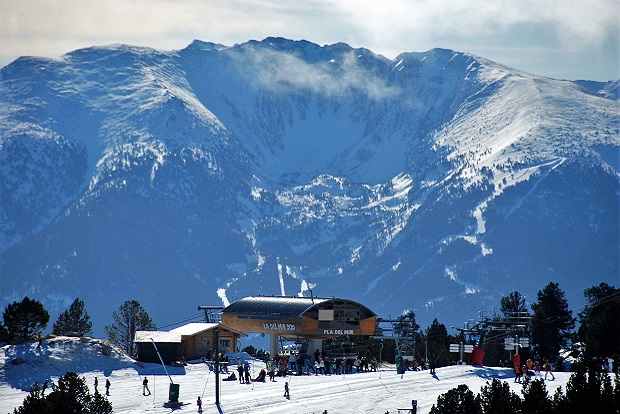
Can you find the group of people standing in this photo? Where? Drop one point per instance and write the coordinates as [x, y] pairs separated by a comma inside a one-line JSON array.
[[323, 364], [303, 364], [107, 386], [531, 368], [244, 373]]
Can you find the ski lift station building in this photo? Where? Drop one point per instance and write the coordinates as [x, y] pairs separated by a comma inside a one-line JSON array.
[[299, 318]]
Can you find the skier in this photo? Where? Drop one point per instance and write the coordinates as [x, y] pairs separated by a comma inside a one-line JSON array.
[[286, 393], [96, 384], [199, 404], [145, 387], [524, 371], [246, 368], [107, 386], [517, 373], [548, 370], [240, 371], [432, 366]]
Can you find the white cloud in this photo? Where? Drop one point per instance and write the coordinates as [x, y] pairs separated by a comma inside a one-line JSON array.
[[582, 28], [285, 72]]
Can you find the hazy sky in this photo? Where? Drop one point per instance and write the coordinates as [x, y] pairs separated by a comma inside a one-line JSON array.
[[567, 39]]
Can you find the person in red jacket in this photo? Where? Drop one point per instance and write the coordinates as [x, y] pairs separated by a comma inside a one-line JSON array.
[[518, 373], [537, 368], [548, 370]]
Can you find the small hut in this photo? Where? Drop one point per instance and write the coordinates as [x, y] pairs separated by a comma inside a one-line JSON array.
[[198, 339], [168, 344]]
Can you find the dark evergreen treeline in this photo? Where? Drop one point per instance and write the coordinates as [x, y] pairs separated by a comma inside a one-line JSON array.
[[69, 395], [588, 390], [26, 319], [553, 330]]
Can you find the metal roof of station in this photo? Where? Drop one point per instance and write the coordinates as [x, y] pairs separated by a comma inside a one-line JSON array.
[[280, 305]]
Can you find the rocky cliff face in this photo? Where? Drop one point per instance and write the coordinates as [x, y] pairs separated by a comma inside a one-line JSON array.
[[436, 181]]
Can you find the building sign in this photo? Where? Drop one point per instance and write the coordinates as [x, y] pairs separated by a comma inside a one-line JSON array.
[[279, 326], [326, 314], [337, 331]]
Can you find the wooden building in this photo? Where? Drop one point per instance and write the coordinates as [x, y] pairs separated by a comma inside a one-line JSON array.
[[189, 342], [300, 317], [198, 339]]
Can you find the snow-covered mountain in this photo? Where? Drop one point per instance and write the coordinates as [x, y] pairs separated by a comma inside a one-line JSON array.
[[436, 182]]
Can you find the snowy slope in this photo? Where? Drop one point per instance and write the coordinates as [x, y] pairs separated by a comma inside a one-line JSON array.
[[368, 392], [436, 182]]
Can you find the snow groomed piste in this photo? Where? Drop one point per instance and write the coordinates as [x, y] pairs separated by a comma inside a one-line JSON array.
[[368, 392]]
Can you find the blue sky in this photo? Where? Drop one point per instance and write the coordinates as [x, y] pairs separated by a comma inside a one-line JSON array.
[[565, 39]]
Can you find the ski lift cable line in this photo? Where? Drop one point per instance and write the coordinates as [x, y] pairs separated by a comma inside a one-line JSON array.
[[601, 301], [193, 316], [176, 323], [605, 299], [198, 316], [609, 298]]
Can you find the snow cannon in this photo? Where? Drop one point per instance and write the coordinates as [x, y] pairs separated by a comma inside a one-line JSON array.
[[173, 391], [400, 366], [173, 396]]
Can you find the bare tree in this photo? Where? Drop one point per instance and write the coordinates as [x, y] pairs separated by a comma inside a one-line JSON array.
[[128, 319]]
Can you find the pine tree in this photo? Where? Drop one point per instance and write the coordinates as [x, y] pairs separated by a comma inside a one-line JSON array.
[[552, 322], [129, 318], [70, 395], [596, 388], [599, 322], [437, 340], [459, 400], [23, 320], [497, 397], [74, 321], [406, 325], [34, 403], [536, 399], [4, 333], [513, 304]]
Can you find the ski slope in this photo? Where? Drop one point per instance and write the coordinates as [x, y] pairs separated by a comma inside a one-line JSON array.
[[368, 392]]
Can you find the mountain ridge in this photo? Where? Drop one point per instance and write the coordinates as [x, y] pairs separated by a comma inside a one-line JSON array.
[[283, 167]]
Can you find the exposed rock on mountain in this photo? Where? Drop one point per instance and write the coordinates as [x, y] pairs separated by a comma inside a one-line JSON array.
[[437, 181]]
